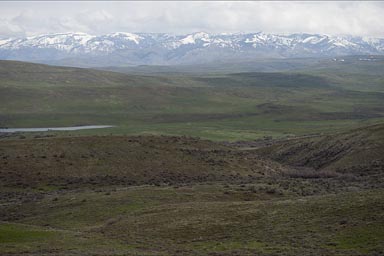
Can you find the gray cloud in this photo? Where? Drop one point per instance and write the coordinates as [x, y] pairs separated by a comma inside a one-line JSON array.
[[32, 18]]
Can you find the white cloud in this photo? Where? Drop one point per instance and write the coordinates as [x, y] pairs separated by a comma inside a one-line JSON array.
[[31, 18]]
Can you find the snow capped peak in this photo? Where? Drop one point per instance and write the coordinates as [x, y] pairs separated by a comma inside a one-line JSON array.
[[188, 40], [262, 39], [191, 39], [4, 41], [342, 42], [161, 47], [60, 41], [200, 35], [314, 39], [59, 35], [128, 36], [256, 38]]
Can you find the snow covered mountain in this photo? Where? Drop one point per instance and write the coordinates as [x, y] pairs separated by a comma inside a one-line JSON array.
[[80, 49]]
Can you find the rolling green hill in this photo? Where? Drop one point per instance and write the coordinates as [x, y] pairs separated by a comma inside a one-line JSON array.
[[360, 151], [237, 106], [160, 195], [117, 192], [115, 160]]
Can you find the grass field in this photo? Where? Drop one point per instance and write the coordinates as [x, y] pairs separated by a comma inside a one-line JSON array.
[[239, 106], [196, 220], [283, 163], [160, 195]]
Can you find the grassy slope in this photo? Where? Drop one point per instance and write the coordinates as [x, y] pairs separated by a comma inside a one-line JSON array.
[[146, 195], [124, 161], [354, 71], [194, 220], [359, 152], [219, 107], [93, 196]]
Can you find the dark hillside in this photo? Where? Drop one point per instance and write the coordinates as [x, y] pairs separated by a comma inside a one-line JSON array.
[[117, 160], [360, 150], [39, 74]]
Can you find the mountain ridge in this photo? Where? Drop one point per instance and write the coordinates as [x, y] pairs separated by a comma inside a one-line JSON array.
[[124, 48]]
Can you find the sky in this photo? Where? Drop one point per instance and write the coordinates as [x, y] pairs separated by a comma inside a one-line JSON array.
[[357, 18]]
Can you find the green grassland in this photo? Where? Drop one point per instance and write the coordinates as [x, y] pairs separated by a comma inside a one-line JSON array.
[[363, 148], [161, 195], [211, 160], [239, 106], [193, 220]]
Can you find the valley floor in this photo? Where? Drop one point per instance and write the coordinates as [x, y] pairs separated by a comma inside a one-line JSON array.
[[159, 195]]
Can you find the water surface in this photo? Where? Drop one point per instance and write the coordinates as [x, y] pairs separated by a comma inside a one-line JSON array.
[[46, 129]]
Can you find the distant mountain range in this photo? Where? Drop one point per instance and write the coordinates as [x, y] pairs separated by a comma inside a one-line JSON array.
[[121, 49]]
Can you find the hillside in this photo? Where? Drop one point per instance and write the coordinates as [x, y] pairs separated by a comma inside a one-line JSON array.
[[94, 160], [130, 190], [236, 106], [370, 64], [360, 151], [31, 74], [159, 195]]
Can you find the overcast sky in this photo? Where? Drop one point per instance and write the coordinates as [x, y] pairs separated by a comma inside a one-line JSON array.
[[32, 18]]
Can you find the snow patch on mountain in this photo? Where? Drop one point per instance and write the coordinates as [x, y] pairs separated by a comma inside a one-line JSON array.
[[127, 36], [314, 39], [160, 48], [193, 38]]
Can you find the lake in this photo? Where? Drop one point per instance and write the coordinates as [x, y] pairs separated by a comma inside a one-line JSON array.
[[46, 129]]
